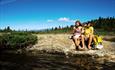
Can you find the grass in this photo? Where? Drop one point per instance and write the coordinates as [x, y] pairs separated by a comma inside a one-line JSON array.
[[104, 32]]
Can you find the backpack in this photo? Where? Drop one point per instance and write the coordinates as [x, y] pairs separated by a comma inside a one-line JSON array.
[[98, 43]]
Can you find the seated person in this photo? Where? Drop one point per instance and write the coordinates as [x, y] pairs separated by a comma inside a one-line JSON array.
[[77, 34], [88, 34]]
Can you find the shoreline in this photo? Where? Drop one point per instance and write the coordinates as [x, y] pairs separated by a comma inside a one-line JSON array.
[[60, 43]]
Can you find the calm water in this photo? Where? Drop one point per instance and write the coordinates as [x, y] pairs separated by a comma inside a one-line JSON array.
[[13, 61]]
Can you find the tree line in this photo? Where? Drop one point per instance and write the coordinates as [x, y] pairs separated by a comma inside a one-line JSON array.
[[7, 29], [100, 23], [104, 23]]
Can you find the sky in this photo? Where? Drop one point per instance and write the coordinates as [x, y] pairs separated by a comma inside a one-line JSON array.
[[41, 14]]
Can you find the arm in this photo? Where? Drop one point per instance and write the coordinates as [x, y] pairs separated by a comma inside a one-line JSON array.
[[82, 30], [91, 30], [73, 30]]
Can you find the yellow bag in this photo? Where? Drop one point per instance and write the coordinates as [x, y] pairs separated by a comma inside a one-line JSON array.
[[99, 39], [98, 42]]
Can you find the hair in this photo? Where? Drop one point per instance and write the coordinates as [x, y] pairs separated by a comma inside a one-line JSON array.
[[91, 24], [84, 23], [79, 23]]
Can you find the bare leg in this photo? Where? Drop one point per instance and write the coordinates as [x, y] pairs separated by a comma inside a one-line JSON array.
[[82, 39], [76, 42], [94, 39], [90, 40]]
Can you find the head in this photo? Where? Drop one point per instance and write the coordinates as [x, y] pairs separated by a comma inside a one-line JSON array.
[[78, 23], [89, 24], [85, 24]]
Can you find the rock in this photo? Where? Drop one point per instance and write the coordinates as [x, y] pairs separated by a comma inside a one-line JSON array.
[[61, 43]]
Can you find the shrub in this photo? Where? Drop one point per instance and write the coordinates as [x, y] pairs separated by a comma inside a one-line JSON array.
[[17, 40]]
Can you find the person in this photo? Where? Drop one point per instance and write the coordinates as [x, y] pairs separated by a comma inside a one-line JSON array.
[[89, 34], [77, 35]]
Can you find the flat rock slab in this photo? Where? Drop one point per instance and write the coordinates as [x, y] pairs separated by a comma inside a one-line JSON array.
[[61, 43]]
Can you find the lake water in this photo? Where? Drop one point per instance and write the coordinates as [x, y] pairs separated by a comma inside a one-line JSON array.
[[16, 61]]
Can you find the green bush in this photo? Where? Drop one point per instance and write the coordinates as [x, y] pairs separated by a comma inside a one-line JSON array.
[[17, 40]]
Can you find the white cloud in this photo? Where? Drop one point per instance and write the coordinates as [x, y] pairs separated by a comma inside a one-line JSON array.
[[64, 19], [61, 19], [49, 20]]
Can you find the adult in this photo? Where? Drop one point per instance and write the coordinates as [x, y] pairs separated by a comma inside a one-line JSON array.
[[77, 35], [89, 34]]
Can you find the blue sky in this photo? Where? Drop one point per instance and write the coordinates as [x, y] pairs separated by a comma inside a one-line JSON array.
[[40, 14]]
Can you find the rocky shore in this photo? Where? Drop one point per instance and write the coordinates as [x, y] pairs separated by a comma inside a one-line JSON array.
[[56, 52], [60, 43]]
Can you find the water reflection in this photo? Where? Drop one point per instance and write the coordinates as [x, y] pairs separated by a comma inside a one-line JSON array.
[[15, 61]]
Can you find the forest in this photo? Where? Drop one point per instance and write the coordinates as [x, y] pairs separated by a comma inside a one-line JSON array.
[[101, 25]]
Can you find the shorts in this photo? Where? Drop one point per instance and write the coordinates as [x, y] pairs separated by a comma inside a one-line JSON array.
[[76, 36]]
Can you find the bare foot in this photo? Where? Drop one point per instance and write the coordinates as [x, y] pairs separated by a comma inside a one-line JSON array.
[[83, 47], [89, 47]]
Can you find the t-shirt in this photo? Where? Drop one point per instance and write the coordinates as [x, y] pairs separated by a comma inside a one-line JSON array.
[[89, 30], [77, 31]]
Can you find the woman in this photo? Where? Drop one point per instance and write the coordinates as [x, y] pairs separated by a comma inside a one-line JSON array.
[[88, 33], [77, 34]]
